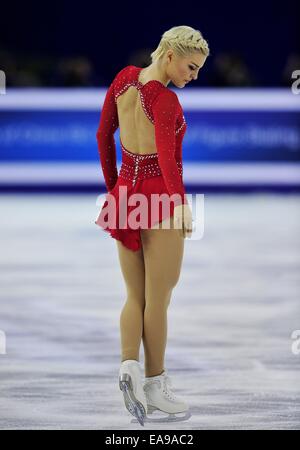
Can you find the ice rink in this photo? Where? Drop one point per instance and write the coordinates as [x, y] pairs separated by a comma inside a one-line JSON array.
[[230, 323]]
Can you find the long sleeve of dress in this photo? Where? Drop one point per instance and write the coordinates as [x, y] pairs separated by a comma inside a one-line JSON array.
[[108, 124], [165, 109]]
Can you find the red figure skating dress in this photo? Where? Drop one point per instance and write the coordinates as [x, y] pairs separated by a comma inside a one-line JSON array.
[[152, 173]]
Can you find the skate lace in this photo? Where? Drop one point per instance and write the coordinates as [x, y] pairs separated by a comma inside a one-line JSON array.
[[167, 384]]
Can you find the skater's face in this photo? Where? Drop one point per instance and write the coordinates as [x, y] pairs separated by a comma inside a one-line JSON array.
[[182, 70]]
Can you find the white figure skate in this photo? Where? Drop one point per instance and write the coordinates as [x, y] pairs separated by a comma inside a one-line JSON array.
[[130, 383], [160, 398]]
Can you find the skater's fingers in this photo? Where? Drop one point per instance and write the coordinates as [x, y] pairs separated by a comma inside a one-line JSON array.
[[187, 232], [187, 228]]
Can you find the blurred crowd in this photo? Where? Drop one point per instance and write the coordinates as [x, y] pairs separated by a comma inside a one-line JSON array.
[[225, 70]]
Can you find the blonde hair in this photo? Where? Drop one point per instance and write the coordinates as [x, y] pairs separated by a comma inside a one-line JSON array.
[[183, 40]]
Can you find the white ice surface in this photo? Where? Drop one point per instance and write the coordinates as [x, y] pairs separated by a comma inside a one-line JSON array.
[[230, 320]]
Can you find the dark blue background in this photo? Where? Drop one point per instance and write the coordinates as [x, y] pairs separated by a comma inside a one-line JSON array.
[[110, 33]]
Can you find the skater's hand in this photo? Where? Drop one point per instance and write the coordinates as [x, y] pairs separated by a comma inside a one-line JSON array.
[[183, 219]]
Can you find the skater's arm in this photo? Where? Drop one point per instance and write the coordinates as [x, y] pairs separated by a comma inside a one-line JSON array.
[[108, 124], [165, 110]]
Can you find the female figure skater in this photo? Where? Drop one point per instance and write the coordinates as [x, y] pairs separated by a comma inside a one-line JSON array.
[[152, 126]]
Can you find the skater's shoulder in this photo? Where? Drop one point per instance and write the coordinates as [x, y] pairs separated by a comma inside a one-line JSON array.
[[166, 94], [166, 100], [125, 74]]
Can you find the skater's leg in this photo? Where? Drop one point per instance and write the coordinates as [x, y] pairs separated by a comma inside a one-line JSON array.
[[163, 253], [131, 318]]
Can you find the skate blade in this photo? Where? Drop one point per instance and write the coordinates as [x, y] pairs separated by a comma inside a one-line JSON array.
[[171, 417], [134, 406]]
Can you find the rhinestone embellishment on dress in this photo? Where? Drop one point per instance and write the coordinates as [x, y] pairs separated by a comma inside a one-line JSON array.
[[146, 110], [139, 167]]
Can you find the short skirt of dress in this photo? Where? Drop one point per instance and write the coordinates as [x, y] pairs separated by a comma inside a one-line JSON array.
[[122, 228]]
